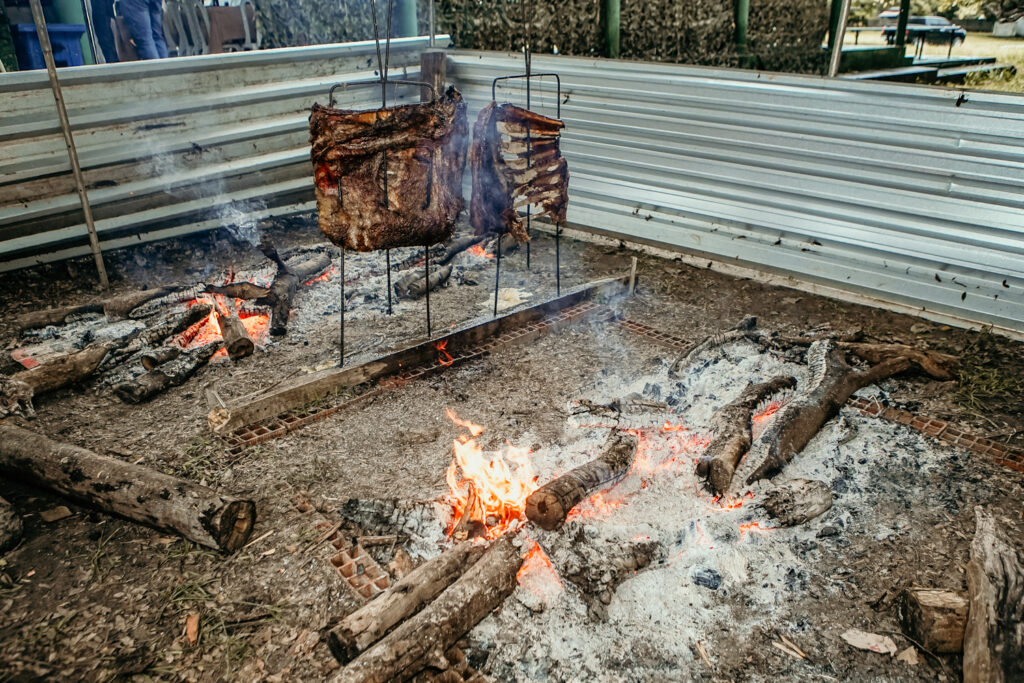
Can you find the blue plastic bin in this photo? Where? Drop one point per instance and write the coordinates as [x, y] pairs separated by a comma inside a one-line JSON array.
[[65, 39]]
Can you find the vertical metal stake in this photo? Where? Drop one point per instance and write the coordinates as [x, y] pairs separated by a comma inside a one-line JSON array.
[[69, 140], [426, 263], [387, 258], [341, 358], [558, 260], [497, 274]]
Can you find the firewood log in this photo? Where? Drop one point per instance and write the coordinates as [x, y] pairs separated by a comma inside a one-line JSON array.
[[934, 618], [286, 281], [994, 637], [236, 338], [731, 429], [136, 493], [170, 374], [120, 306], [54, 316], [370, 623], [413, 285], [10, 527], [422, 640], [831, 383], [157, 357], [65, 370], [548, 506], [744, 329]]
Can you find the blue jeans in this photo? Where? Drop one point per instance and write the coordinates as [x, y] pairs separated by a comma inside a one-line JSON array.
[[145, 22]]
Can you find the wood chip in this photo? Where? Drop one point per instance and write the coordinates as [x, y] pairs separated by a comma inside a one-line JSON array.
[[704, 655], [909, 656], [192, 628], [56, 514], [870, 641]]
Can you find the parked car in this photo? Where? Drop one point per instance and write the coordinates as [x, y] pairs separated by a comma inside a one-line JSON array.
[[936, 30]]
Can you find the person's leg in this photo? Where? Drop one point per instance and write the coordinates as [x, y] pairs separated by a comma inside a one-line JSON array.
[[102, 13], [156, 21], [136, 18]]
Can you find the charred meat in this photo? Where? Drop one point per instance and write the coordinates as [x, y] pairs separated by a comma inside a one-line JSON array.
[[390, 177], [516, 162]]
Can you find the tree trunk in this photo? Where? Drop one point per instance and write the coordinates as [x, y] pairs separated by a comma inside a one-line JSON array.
[[10, 527], [548, 506], [994, 638], [731, 427], [236, 338], [163, 377], [422, 640], [934, 618], [370, 623], [831, 383], [137, 493]]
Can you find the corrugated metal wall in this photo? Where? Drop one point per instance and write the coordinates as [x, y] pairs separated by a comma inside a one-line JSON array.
[[913, 195], [171, 146]]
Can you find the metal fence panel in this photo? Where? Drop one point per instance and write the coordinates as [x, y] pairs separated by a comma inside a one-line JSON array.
[[911, 195]]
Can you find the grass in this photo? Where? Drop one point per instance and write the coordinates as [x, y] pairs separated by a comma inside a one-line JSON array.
[[987, 383], [1005, 50]]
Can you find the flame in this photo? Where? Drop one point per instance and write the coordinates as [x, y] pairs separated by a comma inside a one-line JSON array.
[[537, 574], [490, 487], [753, 526], [324, 276], [443, 357], [478, 250], [208, 330]]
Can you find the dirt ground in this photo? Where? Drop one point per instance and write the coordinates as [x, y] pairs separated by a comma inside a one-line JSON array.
[[91, 597]]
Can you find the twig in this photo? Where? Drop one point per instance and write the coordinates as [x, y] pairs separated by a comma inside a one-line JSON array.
[[255, 541], [704, 655], [323, 537], [921, 648]]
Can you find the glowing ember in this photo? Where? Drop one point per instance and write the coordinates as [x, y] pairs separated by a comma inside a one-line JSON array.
[[753, 526], [490, 487], [324, 276], [768, 411], [537, 574], [208, 330], [478, 250], [443, 357]]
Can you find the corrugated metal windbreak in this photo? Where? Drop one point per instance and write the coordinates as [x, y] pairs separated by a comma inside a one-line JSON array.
[[172, 146], [913, 195]]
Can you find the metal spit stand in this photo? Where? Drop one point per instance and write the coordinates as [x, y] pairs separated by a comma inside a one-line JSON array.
[[383, 66], [528, 76]]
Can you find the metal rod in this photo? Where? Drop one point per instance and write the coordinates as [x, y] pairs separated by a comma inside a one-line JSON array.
[[426, 264], [69, 140], [558, 261], [387, 257], [837, 49], [430, 19], [341, 357], [529, 145], [380, 59], [497, 273]]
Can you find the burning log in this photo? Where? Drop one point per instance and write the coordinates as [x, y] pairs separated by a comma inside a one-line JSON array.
[[537, 173], [414, 285], [994, 636], [548, 506], [136, 493], [456, 247], [115, 308], [170, 374], [11, 527], [370, 623], [239, 290], [422, 640], [119, 307], [158, 357], [286, 281], [391, 177], [236, 338], [731, 427], [934, 618]]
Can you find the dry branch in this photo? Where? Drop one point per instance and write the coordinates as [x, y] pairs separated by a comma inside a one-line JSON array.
[[731, 428], [423, 639], [994, 638], [548, 506], [54, 316], [137, 493], [370, 623], [745, 329]]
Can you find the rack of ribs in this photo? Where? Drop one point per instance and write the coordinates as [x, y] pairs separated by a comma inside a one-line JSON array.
[[389, 177], [516, 161]]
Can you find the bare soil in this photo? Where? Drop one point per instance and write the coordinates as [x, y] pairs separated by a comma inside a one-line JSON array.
[[91, 597]]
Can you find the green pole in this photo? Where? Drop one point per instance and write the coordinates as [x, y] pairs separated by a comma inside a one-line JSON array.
[[612, 27], [742, 21], [901, 25], [406, 19], [835, 12]]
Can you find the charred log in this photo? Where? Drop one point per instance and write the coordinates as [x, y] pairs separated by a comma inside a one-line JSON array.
[[391, 177], [994, 636], [535, 174], [934, 618], [157, 357], [731, 427], [136, 493], [236, 338], [239, 290], [370, 623], [422, 640], [170, 374], [548, 506], [54, 316], [120, 306], [797, 501], [414, 285], [64, 371]]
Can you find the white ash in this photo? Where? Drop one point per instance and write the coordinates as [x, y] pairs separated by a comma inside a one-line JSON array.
[[715, 553]]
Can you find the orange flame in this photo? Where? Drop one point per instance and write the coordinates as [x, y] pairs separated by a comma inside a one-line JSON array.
[[497, 483], [478, 250], [208, 330], [768, 411], [537, 574], [753, 526], [324, 276], [443, 357]]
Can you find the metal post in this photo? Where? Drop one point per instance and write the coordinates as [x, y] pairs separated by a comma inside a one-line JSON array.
[[742, 21], [341, 357], [901, 24], [406, 18], [426, 264], [387, 259], [65, 126], [430, 19], [497, 273], [558, 260], [612, 32], [837, 49]]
